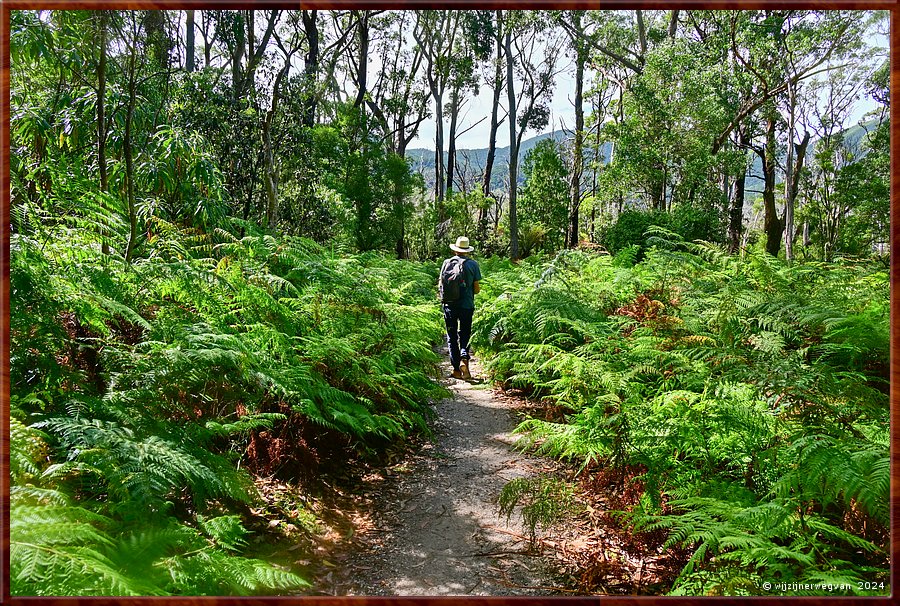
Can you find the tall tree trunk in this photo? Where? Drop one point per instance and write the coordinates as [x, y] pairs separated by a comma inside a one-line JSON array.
[[658, 193], [401, 240], [245, 42], [620, 198], [271, 174], [492, 136], [772, 224], [271, 177], [577, 159], [401, 247], [157, 39], [597, 167], [437, 41], [791, 186], [642, 34], [189, 42], [208, 39], [673, 24], [237, 55], [513, 150], [311, 67], [788, 167], [128, 151], [363, 70], [451, 140], [495, 105], [489, 165], [439, 154], [736, 214], [101, 113]]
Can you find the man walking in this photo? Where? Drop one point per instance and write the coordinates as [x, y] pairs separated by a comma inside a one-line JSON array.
[[457, 286]]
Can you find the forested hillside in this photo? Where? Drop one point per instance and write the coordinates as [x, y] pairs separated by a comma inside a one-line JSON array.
[[223, 258]]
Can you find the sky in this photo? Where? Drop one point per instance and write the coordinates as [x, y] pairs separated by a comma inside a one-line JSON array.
[[561, 107], [562, 112]]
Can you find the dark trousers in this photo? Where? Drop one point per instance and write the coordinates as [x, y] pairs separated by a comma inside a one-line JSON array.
[[459, 329]]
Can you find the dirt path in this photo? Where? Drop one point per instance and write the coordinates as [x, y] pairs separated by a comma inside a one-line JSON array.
[[437, 528]]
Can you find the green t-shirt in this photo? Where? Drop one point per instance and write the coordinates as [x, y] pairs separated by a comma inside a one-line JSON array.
[[473, 274]]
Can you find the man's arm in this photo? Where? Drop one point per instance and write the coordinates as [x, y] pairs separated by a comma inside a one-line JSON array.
[[476, 287]]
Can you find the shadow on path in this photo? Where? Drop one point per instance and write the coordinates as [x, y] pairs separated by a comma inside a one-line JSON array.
[[438, 528]]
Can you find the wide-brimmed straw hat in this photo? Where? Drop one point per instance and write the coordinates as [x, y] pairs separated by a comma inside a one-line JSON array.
[[462, 245]]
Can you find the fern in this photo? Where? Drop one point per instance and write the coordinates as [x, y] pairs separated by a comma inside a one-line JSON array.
[[544, 500], [752, 405]]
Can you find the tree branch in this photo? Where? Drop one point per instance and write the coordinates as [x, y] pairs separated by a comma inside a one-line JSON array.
[[261, 49], [642, 33], [609, 53]]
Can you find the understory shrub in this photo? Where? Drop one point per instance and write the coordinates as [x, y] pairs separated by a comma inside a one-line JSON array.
[[689, 222]]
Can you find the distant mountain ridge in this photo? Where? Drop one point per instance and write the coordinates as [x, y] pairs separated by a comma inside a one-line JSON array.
[[422, 159]]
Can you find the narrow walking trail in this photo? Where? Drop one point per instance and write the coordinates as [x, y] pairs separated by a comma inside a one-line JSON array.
[[437, 527]]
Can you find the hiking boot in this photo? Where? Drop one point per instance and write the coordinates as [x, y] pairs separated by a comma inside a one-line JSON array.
[[464, 369], [456, 374]]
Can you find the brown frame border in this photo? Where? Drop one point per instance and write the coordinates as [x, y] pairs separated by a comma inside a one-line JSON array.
[[8, 5]]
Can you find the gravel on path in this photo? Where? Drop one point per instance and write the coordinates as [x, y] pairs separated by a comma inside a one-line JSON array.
[[437, 528]]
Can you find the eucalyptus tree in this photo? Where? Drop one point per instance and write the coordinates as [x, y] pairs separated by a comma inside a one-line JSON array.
[[601, 95], [216, 27], [189, 40], [733, 88], [311, 64], [463, 81], [838, 183], [580, 34], [322, 62], [618, 47], [436, 32], [287, 49], [158, 41], [237, 31], [492, 23], [667, 106], [872, 216], [361, 61], [608, 102], [840, 34], [777, 51], [621, 37], [533, 48], [399, 100]]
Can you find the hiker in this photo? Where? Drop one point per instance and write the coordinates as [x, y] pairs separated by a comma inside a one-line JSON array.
[[457, 286]]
